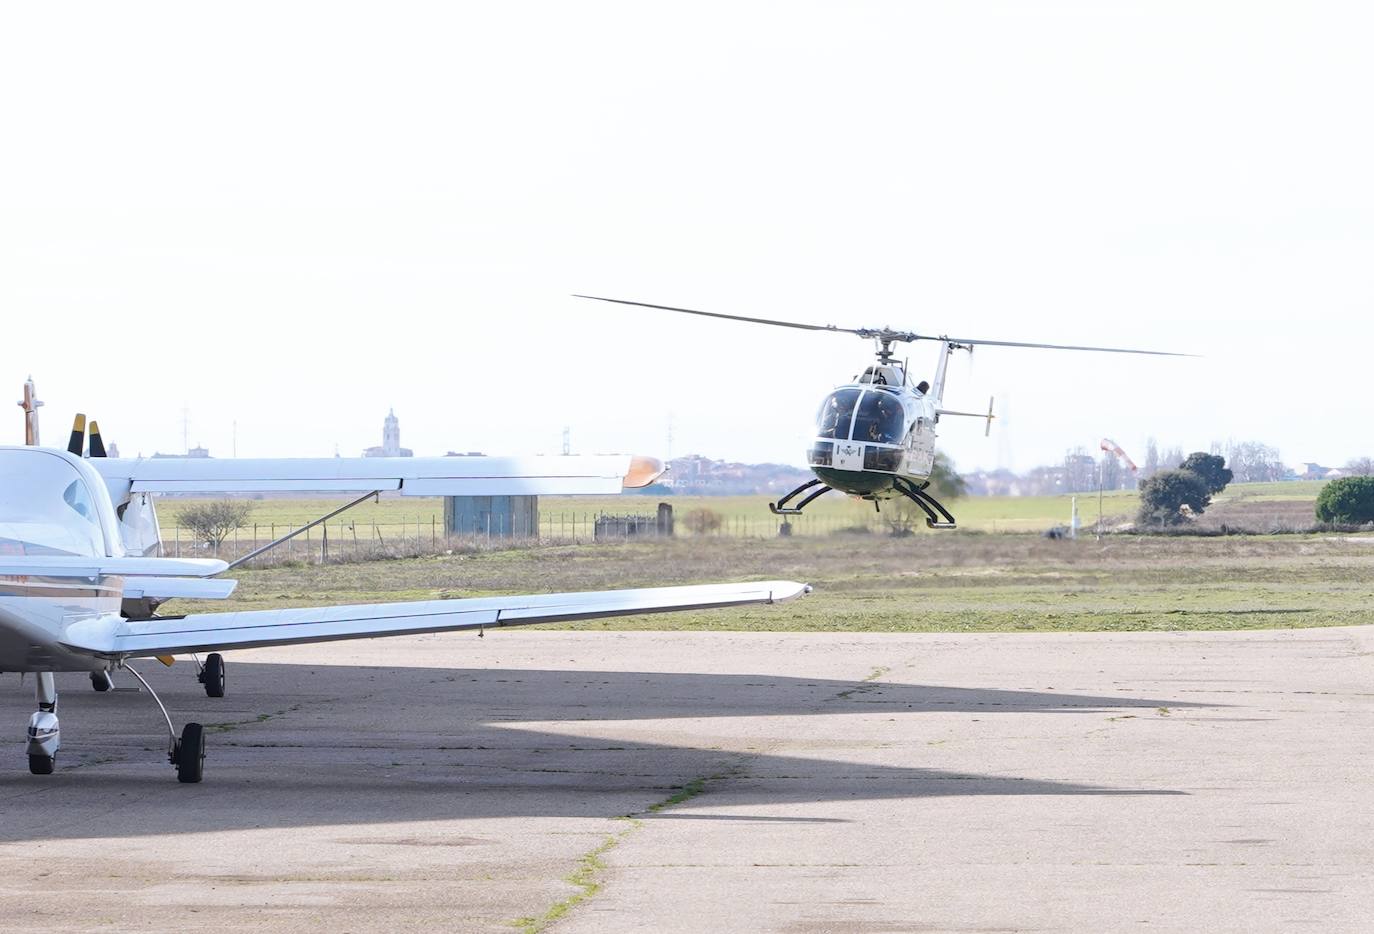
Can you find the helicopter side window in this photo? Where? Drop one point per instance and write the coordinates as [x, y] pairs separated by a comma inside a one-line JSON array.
[[836, 413], [880, 419]]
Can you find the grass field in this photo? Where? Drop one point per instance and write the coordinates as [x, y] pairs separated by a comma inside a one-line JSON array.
[[419, 520], [932, 583]]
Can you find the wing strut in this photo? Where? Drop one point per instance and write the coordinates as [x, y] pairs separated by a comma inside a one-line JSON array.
[[309, 525]]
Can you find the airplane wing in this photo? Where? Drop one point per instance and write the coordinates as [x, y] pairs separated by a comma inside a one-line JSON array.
[[95, 566], [409, 476], [199, 632]]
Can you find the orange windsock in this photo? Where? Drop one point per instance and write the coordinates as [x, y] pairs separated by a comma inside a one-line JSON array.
[[1111, 447]]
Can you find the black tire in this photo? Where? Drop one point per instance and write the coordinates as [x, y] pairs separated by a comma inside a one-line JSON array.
[[41, 765], [191, 754], [213, 675], [100, 680]]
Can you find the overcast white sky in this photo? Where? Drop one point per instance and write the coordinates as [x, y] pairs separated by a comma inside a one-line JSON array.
[[295, 216]]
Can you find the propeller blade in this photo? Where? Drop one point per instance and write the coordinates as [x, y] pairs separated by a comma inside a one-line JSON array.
[[97, 446], [77, 444], [716, 314], [1153, 353]]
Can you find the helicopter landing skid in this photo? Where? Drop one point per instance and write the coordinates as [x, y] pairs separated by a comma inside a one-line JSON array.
[[929, 504], [780, 508]]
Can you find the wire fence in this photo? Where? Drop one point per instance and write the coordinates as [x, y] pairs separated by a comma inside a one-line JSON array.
[[342, 540]]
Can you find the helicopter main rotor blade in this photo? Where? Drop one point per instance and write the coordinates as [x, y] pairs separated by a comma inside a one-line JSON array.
[[1153, 353], [882, 334], [716, 314]]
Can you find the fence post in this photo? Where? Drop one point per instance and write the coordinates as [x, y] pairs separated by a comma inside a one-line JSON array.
[[178, 542]]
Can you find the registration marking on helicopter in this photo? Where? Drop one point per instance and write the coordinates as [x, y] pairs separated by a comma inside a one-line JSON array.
[[849, 456]]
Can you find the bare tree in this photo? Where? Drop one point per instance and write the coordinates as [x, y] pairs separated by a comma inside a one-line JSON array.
[[1360, 467], [1151, 459], [212, 522], [1171, 458], [1255, 462], [901, 514], [1112, 473]]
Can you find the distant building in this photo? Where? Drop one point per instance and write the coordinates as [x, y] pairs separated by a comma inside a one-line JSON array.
[[695, 474], [196, 451], [391, 439], [1314, 471], [492, 516]]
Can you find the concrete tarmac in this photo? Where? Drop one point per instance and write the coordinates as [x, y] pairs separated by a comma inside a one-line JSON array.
[[600, 781]]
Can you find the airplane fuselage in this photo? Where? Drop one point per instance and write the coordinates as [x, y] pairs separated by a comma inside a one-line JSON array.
[[36, 613]]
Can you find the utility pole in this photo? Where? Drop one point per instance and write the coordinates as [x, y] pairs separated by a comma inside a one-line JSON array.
[[567, 440]]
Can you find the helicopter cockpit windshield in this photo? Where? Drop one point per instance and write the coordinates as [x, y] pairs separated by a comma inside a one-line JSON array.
[[837, 411], [879, 418]]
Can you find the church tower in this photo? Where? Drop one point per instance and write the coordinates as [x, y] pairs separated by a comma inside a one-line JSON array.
[[391, 435]]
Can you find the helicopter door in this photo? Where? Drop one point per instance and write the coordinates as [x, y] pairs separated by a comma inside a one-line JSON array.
[[921, 449]]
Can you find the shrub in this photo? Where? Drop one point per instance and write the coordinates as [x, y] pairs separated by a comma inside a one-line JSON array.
[[1211, 468], [902, 516], [1163, 496], [214, 521], [703, 521], [1348, 501]]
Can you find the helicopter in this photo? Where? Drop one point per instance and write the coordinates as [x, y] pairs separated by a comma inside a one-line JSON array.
[[875, 435]]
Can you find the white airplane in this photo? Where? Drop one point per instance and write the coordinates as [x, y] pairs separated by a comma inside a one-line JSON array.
[[80, 575]]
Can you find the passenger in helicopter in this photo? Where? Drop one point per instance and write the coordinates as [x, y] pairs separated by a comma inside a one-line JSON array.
[[880, 419], [836, 412]]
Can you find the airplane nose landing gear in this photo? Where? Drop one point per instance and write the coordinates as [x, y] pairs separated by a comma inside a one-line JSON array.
[[44, 734]]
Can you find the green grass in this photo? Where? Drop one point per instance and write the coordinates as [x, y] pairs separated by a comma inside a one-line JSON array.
[[931, 582], [568, 517]]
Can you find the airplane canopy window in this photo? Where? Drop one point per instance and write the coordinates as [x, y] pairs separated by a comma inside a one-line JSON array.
[[46, 507], [836, 411], [880, 419]]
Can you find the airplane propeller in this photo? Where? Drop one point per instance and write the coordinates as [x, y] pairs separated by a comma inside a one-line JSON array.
[[77, 443]]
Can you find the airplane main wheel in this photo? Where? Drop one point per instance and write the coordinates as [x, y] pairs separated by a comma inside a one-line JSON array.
[[100, 680], [190, 754], [213, 675], [41, 765]]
